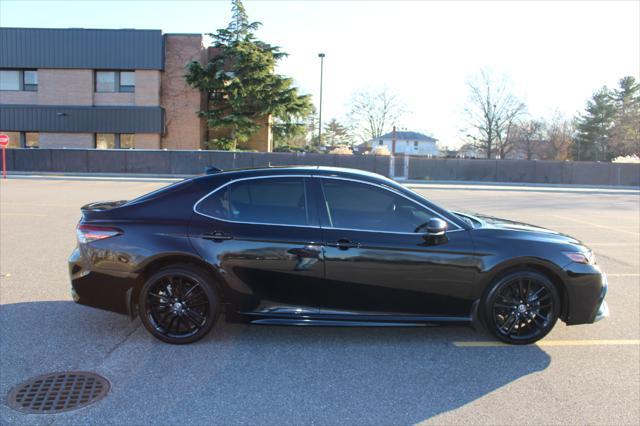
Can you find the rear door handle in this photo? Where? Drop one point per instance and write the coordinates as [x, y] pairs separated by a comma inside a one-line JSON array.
[[309, 250], [343, 244], [217, 236]]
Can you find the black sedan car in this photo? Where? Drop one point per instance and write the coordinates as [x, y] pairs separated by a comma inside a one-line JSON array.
[[325, 246]]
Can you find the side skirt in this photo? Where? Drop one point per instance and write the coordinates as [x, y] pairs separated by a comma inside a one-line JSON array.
[[352, 320]]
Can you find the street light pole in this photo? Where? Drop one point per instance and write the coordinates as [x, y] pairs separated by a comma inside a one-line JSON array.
[[321, 56]]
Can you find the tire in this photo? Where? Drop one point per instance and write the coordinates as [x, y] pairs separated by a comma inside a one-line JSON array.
[[521, 307], [179, 304]]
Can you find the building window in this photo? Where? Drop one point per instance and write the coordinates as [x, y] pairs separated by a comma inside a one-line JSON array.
[[9, 80], [381, 143], [115, 141], [115, 81], [127, 141], [22, 139], [415, 144], [127, 81], [19, 80], [105, 81], [31, 140], [105, 140], [30, 81], [14, 139]]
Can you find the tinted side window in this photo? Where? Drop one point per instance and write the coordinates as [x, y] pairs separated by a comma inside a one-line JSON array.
[[281, 201], [361, 206]]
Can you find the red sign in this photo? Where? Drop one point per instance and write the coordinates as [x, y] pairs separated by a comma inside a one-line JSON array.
[[4, 140]]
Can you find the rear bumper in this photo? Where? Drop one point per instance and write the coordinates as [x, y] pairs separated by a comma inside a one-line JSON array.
[[103, 289]]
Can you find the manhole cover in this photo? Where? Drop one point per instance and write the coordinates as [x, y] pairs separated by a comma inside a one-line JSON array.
[[57, 392]]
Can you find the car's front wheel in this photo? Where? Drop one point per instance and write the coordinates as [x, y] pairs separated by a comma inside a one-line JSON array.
[[178, 304], [521, 307]]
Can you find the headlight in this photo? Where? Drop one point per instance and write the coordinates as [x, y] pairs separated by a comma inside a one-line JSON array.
[[586, 257]]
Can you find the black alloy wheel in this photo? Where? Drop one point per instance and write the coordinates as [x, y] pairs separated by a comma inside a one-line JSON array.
[[178, 304], [522, 307]]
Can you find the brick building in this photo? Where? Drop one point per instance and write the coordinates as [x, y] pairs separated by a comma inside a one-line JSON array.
[[105, 89]]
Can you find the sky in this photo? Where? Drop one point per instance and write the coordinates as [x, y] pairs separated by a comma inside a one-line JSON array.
[[555, 53]]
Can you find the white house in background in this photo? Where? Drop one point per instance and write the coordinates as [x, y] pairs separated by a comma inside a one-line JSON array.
[[410, 143]]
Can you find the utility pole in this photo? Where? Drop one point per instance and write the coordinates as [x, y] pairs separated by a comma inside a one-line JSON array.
[[321, 56], [393, 141]]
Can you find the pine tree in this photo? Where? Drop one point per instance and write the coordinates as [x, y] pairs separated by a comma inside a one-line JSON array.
[[626, 129], [242, 85], [337, 134], [594, 128]]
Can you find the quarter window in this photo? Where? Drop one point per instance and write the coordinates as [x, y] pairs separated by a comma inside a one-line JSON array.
[[280, 201], [359, 206]]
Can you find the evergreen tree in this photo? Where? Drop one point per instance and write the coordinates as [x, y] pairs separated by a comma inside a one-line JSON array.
[[242, 85], [594, 128], [626, 129], [337, 134]]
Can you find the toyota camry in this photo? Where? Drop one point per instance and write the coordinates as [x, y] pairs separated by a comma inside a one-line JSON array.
[[325, 246]]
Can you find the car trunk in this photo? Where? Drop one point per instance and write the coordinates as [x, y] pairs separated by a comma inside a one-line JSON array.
[[98, 209]]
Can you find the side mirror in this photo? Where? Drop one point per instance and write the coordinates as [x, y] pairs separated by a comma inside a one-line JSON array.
[[436, 227]]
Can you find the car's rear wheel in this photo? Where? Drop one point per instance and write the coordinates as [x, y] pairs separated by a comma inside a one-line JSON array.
[[178, 304], [521, 307]]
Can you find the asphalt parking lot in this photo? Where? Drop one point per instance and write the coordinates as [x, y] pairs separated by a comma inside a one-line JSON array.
[[241, 374]]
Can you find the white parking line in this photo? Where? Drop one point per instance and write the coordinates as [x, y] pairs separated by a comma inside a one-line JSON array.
[[597, 225], [594, 342], [623, 275]]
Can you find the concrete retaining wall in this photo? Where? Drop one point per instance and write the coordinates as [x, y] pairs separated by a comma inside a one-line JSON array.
[[555, 172], [194, 162], [174, 162]]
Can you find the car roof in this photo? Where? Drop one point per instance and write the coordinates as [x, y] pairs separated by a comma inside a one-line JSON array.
[[306, 170]]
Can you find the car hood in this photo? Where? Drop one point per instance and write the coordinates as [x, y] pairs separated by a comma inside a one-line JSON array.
[[491, 222]]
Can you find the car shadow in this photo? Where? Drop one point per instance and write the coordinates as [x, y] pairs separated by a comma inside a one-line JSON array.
[[256, 374]]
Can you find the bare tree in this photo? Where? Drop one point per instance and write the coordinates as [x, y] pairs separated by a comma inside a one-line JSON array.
[[372, 113], [528, 138], [492, 111], [559, 134]]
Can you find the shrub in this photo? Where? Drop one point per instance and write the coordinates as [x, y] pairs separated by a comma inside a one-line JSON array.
[[380, 150], [223, 144], [345, 150], [627, 159]]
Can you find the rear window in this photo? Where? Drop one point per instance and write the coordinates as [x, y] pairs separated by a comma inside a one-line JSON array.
[[280, 201], [161, 191]]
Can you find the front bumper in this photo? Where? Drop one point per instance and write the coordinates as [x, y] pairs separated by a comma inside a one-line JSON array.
[[603, 309], [586, 288]]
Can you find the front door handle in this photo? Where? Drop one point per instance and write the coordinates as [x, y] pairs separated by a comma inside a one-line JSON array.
[[217, 236], [344, 244]]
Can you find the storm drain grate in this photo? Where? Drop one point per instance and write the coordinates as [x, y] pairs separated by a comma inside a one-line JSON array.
[[57, 392]]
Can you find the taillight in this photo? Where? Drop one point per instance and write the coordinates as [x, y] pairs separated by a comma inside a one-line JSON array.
[[89, 233]]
